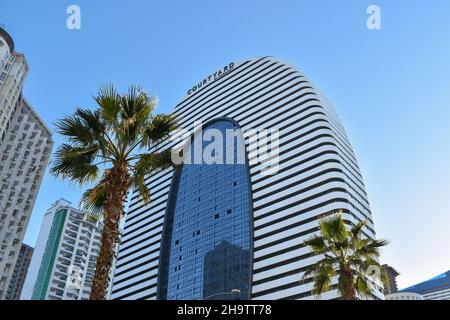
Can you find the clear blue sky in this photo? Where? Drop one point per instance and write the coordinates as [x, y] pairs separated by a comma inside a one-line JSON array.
[[391, 87]]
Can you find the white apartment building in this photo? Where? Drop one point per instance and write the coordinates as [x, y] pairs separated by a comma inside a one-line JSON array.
[[65, 256], [404, 296], [25, 147], [13, 71]]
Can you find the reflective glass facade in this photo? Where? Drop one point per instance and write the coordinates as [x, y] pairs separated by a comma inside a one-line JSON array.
[[209, 248]]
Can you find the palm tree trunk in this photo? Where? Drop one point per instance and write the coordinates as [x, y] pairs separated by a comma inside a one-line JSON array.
[[118, 187], [349, 290]]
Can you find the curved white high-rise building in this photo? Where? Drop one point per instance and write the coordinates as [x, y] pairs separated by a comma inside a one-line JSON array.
[[211, 229]]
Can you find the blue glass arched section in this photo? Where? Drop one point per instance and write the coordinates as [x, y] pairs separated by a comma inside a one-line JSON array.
[[207, 238]]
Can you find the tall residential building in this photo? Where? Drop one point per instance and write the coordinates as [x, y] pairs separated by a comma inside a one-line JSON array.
[[13, 72], [390, 286], [65, 255], [20, 272], [239, 225], [25, 147], [437, 288]]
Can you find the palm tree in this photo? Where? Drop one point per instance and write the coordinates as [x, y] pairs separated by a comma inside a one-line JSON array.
[[347, 254], [107, 149]]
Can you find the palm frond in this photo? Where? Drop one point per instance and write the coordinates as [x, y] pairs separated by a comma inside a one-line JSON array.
[[91, 121], [334, 228], [159, 129], [325, 262], [108, 99], [146, 165], [343, 250], [135, 112], [370, 247], [322, 279], [317, 244], [93, 200], [74, 128], [84, 129], [363, 287], [75, 164], [136, 104], [356, 229], [139, 184]]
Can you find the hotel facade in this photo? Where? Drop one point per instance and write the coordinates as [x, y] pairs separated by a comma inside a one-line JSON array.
[[213, 229]]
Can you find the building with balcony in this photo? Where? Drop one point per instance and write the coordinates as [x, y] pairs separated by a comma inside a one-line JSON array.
[[25, 147], [65, 255], [390, 286], [20, 272]]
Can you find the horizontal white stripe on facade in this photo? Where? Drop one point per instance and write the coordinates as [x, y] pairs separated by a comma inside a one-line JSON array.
[[279, 181], [155, 177], [127, 264], [161, 185], [297, 290], [242, 97], [331, 195], [256, 172], [284, 256], [260, 276], [317, 155], [219, 84], [256, 79], [139, 257], [145, 275], [149, 208], [279, 236], [138, 228], [130, 247], [260, 121], [233, 109], [136, 296], [260, 253], [295, 192]]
